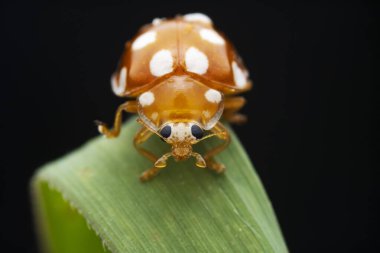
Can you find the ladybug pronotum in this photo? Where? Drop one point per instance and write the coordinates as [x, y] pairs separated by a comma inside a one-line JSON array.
[[182, 76]]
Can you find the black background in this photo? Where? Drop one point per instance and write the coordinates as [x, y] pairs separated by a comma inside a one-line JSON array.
[[309, 128]]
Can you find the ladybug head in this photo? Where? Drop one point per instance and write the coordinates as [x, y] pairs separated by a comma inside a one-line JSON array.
[[182, 132], [182, 135]]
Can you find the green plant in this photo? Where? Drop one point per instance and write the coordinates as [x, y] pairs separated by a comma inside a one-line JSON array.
[[92, 201]]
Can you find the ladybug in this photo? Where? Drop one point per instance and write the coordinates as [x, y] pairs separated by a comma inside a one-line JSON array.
[[182, 76]]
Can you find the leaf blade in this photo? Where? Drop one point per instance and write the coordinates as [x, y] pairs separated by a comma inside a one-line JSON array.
[[183, 209]]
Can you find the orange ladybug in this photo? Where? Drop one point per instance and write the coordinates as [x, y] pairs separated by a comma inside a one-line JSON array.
[[182, 76]]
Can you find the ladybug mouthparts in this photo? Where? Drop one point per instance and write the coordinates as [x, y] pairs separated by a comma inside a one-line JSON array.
[[181, 151]]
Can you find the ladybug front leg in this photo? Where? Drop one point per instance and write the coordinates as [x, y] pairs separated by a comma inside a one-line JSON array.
[[142, 136], [158, 166], [129, 106], [220, 131], [231, 107]]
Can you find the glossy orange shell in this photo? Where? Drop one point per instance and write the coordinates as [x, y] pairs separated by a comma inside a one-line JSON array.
[[225, 71], [181, 99]]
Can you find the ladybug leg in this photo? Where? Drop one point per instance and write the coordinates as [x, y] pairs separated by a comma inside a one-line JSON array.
[[231, 107], [220, 131], [199, 160], [158, 166], [141, 136], [129, 106], [149, 174]]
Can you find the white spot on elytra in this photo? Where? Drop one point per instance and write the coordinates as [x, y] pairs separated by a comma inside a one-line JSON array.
[[144, 39], [196, 61], [213, 96], [119, 86], [156, 21], [146, 99], [161, 63], [197, 17], [211, 36], [239, 76]]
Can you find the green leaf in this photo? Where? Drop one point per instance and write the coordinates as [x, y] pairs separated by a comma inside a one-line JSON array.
[[93, 197]]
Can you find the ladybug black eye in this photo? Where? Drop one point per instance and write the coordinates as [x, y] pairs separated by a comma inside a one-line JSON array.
[[196, 131], [166, 131]]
